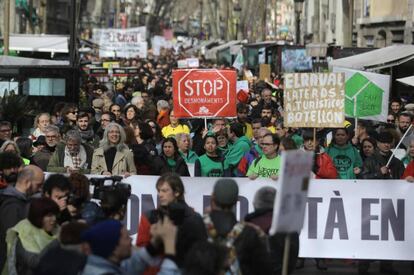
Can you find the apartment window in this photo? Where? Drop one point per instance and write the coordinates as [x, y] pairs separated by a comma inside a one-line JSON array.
[[7, 86], [366, 7], [369, 41]]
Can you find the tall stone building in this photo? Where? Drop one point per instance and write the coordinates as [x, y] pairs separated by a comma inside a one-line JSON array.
[[376, 23], [382, 23]]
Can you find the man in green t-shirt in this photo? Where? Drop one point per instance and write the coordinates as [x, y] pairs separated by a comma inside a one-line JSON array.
[[268, 165]]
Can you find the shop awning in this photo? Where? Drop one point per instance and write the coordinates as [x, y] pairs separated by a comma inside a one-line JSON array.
[[203, 44], [39, 43], [377, 59], [211, 54], [407, 80], [13, 61]]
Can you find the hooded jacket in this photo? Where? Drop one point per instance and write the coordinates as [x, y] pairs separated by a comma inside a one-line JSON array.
[[236, 152], [13, 209], [345, 159]]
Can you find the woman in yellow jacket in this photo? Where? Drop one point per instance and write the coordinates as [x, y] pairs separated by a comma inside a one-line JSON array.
[[113, 157]]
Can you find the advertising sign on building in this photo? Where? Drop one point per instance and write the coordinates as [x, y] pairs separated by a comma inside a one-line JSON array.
[[314, 100], [204, 93]]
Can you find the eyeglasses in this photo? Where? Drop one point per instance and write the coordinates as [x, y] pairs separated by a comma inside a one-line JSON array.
[[51, 137], [390, 120], [266, 144]]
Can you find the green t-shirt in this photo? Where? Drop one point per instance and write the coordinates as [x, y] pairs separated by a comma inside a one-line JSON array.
[[265, 167]]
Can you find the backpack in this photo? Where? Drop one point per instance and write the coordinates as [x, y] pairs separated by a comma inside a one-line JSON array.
[[232, 266]]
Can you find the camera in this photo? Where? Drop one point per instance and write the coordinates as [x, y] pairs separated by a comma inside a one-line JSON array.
[[116, 186]]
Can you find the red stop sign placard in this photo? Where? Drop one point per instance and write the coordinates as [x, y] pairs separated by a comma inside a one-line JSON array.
[[204, 93]]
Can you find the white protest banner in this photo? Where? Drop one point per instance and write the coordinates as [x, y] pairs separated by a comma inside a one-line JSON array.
[[355, 219], [294, 178], [314, 100], [362, 219], [121, 42], [366, 94]]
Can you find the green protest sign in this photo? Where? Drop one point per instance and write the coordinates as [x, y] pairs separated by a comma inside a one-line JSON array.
[[366, 94]]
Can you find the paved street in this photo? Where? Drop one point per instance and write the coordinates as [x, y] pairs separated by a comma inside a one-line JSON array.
[[340, 267]]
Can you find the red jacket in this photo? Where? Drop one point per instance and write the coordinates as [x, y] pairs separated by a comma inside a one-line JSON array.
[[327, 169], [163, 119], [409, 170]]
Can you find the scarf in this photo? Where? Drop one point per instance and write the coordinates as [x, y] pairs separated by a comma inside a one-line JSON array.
[[75, 160], [86, 135]]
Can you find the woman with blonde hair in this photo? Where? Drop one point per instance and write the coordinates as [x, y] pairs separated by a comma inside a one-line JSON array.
[[113, 157], [10, 146], [41, 121]]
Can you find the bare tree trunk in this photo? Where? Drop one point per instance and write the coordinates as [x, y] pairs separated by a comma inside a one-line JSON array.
[[247, 14], [212, 19], [43, 16], [264, 16]]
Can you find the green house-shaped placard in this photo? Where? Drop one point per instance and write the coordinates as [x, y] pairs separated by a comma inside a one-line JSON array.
[[367, 94]]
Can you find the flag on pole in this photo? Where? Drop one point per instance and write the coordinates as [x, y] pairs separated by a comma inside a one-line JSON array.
[[239, 61]]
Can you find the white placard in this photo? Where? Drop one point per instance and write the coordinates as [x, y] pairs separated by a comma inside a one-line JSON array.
[[242, 85], [289, 207], [193, 63]]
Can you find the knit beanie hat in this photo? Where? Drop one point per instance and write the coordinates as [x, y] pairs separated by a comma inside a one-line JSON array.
[[226, 192], [103, 237]]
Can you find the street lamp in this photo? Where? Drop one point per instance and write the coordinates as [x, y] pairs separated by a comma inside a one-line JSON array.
[[298, 12], [237, 13]]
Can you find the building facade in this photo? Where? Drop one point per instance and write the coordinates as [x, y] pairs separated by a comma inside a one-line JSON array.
[[375, 23]]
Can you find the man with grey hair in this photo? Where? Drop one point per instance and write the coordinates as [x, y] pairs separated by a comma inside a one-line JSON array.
[[163, 118], [263, 202], [138, 101], [72, 156], [42, 157]]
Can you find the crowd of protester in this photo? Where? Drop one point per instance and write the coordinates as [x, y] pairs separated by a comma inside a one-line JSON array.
[[129, 128]]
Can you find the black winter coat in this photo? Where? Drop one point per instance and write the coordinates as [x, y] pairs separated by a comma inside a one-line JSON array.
[[161, 166], [13, 209], [371, 168], [190, 226], [263, 219]]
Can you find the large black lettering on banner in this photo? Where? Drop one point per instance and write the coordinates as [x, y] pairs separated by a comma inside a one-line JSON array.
[[388, 217], [146, 203]]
